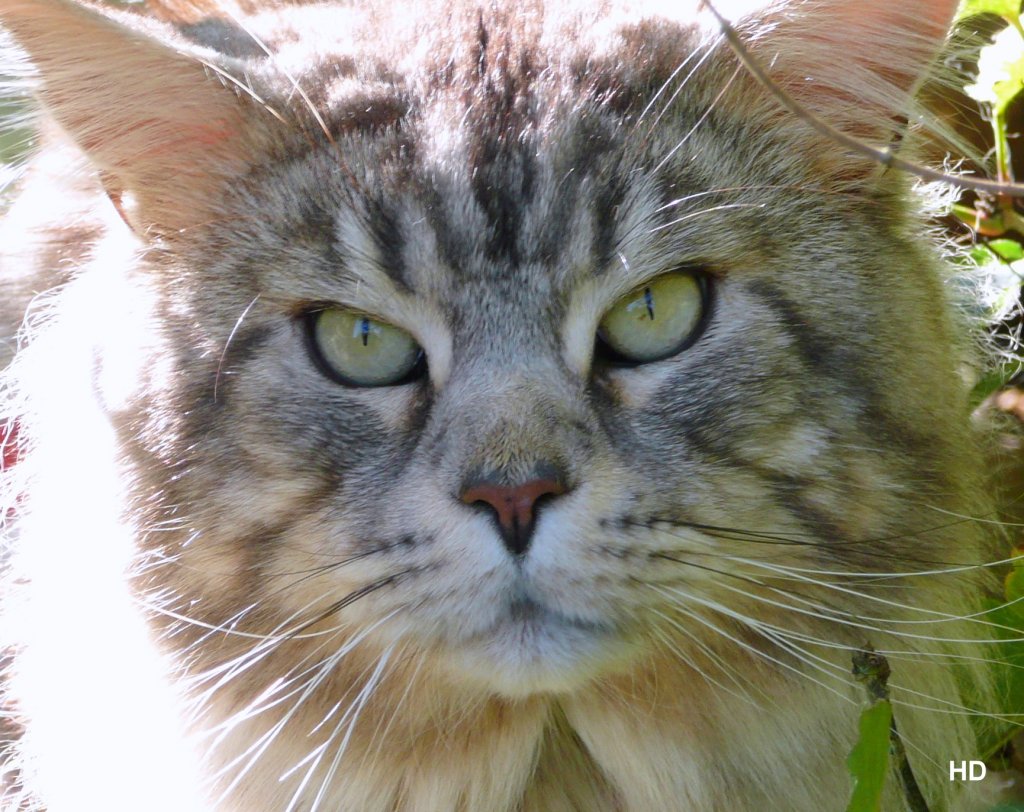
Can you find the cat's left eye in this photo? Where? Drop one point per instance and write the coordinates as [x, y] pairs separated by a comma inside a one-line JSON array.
[[358, 350], [654, 321]]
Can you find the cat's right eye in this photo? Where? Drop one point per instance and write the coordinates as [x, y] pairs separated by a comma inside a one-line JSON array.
[[358, 350], [656, 320]]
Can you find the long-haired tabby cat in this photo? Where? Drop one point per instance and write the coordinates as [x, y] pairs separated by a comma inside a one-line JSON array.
[[491, 406]]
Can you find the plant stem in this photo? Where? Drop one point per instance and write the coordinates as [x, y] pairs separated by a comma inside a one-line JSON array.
[[873, 670]]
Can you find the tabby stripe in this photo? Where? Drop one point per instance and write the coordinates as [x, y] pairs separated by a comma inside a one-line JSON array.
[[788, 491], [824, 355], [817, 350], [262, 544], [243, 346], [384, 227]]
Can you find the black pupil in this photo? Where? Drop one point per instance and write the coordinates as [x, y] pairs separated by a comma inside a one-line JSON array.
[[649, 300]]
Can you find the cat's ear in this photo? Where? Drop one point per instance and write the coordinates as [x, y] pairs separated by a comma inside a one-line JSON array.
[[194, 11], [161, 127], [857, 64]]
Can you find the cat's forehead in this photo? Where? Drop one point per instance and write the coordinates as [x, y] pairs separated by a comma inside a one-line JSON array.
[[494, 153], [405, 34], [525, 212], [461, 50]]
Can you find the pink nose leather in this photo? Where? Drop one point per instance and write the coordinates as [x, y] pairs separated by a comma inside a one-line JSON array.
[[515, 507]]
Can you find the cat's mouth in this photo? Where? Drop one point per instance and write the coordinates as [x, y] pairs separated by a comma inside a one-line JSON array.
[[529, 619], [529, 647], [527, 612]]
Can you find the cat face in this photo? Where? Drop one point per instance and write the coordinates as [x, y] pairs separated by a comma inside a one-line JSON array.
[[493, 213], [526, 381]]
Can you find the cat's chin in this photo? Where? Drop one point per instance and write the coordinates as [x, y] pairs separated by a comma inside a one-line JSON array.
[[532, 649]]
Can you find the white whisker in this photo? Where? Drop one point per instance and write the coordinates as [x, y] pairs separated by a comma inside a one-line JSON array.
[[700, 121], [723, 610], [354, 710], [227, 344], [709, 210], [296, 87], [709, 51], [260, 745], [740, 694]]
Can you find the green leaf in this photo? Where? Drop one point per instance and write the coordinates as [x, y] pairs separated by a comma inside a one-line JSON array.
[[868, 762], [992, 381], [1004, 8], [1007, 250], [1000, 70], [1008, 625], [1014, 586], [983, 223], [982, 255]]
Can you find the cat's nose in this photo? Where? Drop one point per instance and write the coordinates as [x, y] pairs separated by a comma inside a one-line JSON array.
[[515, 506]]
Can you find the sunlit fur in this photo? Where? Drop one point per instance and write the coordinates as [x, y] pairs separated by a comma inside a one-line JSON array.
[[236, 584]]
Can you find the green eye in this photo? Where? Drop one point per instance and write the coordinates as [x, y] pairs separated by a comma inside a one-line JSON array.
[[359, 350], [655, 321]]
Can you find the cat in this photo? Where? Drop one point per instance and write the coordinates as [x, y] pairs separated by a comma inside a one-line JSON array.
[[481, 406]]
